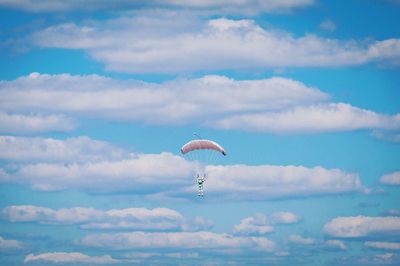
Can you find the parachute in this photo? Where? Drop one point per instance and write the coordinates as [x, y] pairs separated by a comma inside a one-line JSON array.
[[204, 152], [202, 144]]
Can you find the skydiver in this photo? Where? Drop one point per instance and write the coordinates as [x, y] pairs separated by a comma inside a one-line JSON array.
[[200, 180]]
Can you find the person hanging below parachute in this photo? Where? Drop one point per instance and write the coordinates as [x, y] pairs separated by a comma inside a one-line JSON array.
[[194, 149]]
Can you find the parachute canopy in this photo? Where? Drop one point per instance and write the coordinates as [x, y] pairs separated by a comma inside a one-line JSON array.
[[202, 144]]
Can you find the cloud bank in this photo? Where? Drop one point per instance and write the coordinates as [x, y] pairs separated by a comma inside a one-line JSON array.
[[277, 105], [90, 218], [70, 258], [181, 240], [226, 7], [217, 44]]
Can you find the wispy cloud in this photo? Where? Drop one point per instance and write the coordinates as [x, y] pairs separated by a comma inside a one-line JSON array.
[[90, 218], [180, 240], [297, 239], [383, 245], [70, 257], [226, 7], [9, 244]]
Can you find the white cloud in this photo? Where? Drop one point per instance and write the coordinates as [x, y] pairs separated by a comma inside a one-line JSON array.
[[383, 245], [335, 244], [362, 226], [76, 149], [193, 45], [70, 257], [257, 224], [391, 179], [181, 240], [174, 177], [284, 218], [312, 118], [177, 102], [139, 173], [89, 218], [328, 25], [33, 123], [301, 240], [261, 224], [268, 181], [9, 244], [224, 6], [172, 174], [181, 255], [277, 105]]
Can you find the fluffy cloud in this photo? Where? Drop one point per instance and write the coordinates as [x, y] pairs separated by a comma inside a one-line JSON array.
[[268, 181], [139, 173], [362, 226], [216, 44], [173, 176], [186, 240], [382, 245], [391, 179], [34, 123], [267, 105], [224, 6], [77, 149], [284, 218], [296, 239], [261, 224], [177, 102], [256, 224], [89, 218], [312, 118], [71, 257], [9, 244]]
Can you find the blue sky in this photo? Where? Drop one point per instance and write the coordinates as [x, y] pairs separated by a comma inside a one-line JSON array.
[[96, 100]]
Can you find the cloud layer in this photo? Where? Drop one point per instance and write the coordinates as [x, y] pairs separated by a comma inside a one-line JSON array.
[[224, 6], [70, 258], [218, 44], [186, 240], [89, 218], [278, 105]]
